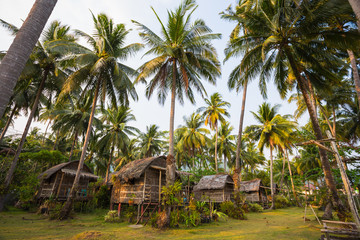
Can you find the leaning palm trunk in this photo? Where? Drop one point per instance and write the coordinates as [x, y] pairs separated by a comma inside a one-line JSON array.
[[336, 201], [216, 141], [238, 145], [108, 165], [282, 172], [292, 181], [225, 163], [12, 168], [73, 145], [355, 73], [272, 180], [65, 211], [16, 57], [355, 4], [7, 124]]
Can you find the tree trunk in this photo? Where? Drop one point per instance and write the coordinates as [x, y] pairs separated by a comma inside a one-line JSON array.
[[16, 57], [355, 4], [47, 126], [12, 168], [65, 211], [108, 165], [292, 182], [336, 201], [328, 212], [355, 72], [73, 145], [56, 139], [7, 124], [271, 179], [225, 163], [283, 171], [170, 161], [238, 144], [216, 140]]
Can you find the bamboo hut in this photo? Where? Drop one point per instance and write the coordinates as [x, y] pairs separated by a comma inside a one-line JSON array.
[[216, 188], [139, 181], [254, 190], [58, 180]]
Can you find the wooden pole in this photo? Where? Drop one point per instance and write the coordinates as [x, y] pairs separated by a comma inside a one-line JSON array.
[[61, 180], [315, 214], [346, 182], [160, 187]]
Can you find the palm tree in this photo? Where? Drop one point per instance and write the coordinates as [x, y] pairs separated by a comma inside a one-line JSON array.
[[50, 77], [16, 57], [272, 132], [226, 145], [100, 71], [116, 132], [192, 135], [184, 54], [151, 142], [213, 113], [294, 50]]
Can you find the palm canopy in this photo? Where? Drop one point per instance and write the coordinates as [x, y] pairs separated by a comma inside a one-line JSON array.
[[151, 142], [99, 67], [215, 110], [192, 135], [273, 129], [183, 49]]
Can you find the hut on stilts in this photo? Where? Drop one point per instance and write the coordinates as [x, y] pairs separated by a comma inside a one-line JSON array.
[[139, 182], [254, 191], [57, 181], [214, 188]]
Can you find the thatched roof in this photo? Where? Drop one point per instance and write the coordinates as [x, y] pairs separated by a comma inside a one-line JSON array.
[[250, 186], [134, 169], [213, 182], [48, 173], [72, 172]]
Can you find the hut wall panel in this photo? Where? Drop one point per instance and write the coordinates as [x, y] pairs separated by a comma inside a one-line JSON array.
[[252, 197], [213, 195], [122, 192]]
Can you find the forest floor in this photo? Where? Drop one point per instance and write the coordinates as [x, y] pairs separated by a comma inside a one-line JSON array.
[[278, 224]]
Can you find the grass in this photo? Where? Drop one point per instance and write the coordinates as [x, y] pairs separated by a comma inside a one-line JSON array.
[[279, 224]]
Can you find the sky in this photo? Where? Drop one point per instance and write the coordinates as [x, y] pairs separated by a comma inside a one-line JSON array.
[[77, 15]]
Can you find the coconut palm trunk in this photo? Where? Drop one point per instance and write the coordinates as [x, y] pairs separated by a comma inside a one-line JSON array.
[[170, 161], [336, 201], [65, 211], [238, 165], [7, 123], [109, 164], [16, 57], [47, 127], [355, 73], [12, 168], [73, 145], [225, 162], [355, 4], [272, 179], [216, 141], [291, 179]]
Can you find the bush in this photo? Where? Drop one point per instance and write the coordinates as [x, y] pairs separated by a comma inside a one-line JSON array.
[[153, 220], [85, 207], [281, 202], [54, 213], [102, 197], [112, 216], [232, 211], [254, 207], [130, 213]]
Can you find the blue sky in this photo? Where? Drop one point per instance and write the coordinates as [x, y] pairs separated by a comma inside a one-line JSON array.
[[77, 15]]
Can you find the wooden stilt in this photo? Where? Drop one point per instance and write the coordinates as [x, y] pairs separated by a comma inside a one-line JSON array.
[[315, 214], [119, 209], [305, 213]]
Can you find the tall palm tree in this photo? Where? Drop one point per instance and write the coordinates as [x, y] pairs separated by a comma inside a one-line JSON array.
[[116, 132], [15, 59], [226, 142], [100, 71], [50, 78], [151, 142], [272, 132], [289, 41], [214, 112], [192, 135], [184, 54]]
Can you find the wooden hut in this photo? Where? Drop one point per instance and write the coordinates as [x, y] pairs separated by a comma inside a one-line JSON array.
[[216, 188], [58, 180], [140, 180], [254, 190]]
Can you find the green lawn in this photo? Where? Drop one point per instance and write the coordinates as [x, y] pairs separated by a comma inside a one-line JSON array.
[[279, 224]]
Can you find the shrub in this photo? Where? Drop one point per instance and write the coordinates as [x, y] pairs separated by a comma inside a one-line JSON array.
[[112, 216], [281, 202], [130, 212], [254, 207], [153, 220], [85, 207], [54, 213], [232, 211], [102, 197]]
